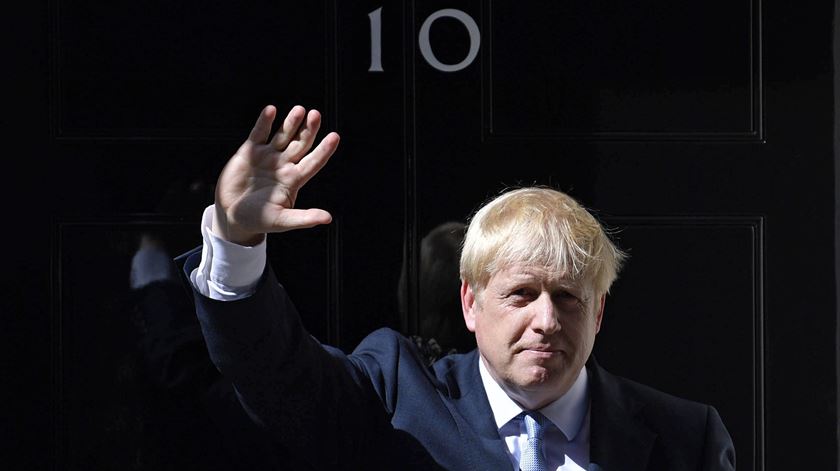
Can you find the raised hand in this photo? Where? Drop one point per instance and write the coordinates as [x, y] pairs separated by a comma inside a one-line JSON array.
[[257, 189]]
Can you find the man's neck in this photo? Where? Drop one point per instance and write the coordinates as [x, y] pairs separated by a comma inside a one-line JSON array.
[[566, 410]]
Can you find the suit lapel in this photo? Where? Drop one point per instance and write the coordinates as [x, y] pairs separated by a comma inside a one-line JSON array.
[[619, 440], [474, 416]]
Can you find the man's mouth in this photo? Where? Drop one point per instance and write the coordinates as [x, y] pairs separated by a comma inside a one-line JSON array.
[[545, 351]]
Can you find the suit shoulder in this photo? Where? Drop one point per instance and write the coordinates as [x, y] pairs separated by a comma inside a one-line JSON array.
[[650, 396], [390, 349], [688, 432], [388, 341], [649, 393], [383, 338], [659, 409]]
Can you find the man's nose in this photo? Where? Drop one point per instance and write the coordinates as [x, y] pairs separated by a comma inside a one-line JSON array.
[[545, 315]]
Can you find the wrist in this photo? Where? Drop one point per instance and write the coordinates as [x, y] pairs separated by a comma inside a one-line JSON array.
[[222, 229]]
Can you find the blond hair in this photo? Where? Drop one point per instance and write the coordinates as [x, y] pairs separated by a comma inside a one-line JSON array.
[[543, 227]]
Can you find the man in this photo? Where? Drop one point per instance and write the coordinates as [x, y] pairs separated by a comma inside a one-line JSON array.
[[535, 269]]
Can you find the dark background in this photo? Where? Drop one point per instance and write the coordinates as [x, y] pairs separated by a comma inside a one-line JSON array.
[[703, 132]]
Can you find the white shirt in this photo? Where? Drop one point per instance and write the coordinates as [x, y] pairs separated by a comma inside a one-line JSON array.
[[566, 442], [230, 271]]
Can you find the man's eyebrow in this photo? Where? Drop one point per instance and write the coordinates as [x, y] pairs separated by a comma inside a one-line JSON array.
[[523, 276], [535, 275]]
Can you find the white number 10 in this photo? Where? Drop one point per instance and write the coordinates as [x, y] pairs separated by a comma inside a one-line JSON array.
[[423, 37]]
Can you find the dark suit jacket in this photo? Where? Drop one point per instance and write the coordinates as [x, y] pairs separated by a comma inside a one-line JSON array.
[[382, 408]]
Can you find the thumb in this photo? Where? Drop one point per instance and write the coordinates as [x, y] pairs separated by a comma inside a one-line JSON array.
[[290, 219]]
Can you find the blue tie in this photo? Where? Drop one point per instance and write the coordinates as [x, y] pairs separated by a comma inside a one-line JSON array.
[[532, 456]]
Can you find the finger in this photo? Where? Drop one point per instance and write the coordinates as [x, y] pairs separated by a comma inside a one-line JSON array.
[[284, 219], [289, 128], [262, 128], [305, 137], [315, 161]]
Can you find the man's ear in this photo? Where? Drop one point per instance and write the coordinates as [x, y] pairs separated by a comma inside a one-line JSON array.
[[599, 316], [468, 305]]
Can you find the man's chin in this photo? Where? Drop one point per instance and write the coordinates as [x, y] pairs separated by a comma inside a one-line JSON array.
[[540, 378], [543, 364]]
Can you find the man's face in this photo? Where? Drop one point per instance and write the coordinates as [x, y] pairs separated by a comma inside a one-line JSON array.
[[534, 330]]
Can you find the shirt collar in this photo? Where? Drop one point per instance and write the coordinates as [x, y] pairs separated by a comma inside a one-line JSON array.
[[566, 412]]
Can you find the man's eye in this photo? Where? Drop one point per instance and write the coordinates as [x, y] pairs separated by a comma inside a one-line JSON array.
[[566, 297], [521, 293]]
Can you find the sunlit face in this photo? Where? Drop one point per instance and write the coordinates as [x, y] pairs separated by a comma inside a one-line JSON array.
[[534, 330]]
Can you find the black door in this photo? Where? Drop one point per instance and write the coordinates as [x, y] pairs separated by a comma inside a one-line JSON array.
[[702, 133]]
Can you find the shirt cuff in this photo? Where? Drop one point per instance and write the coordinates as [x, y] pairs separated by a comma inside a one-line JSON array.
[[227, 271]]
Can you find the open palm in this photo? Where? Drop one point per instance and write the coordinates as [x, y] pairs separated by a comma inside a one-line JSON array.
[[257, 189]]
